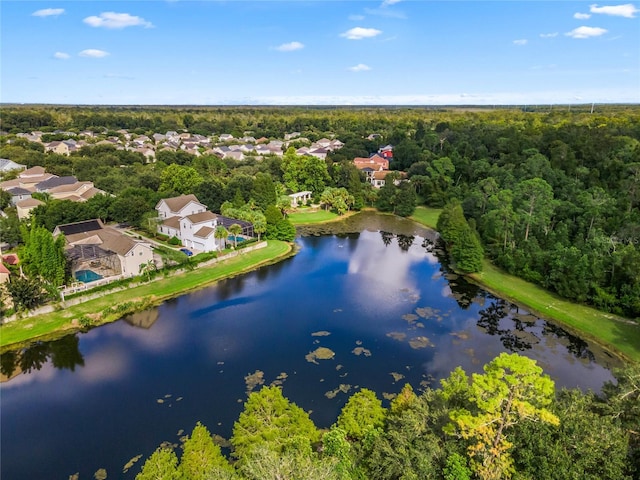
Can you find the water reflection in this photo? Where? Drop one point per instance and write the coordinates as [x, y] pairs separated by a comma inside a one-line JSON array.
[[63, 353]]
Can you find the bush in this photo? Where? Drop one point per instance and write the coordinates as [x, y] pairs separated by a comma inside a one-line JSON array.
[[174, 241], [162, 237]]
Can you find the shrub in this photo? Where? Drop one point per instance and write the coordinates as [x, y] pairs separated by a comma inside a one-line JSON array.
[[174, 241]]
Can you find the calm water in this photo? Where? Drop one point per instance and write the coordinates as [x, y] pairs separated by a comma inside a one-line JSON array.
[[380, 301]]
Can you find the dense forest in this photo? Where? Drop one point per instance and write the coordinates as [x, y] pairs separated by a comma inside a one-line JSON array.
[[508, 422], [549, 194]]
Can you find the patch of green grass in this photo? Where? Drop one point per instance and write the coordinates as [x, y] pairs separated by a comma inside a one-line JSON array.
[[319, 216], [147, 294], [426, 216], [621, 334]]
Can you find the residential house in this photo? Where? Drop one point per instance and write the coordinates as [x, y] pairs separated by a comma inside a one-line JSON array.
[[76, 192], [54, 182], [24, 207], [375, 162], [7, 165], [225, 137], [184, 217], [386, 152], [18, 194], [4, 273], [93, 246]]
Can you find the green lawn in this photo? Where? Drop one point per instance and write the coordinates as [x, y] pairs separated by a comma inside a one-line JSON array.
[[619, 334], [319, 216], [426, 216], [147, 294]]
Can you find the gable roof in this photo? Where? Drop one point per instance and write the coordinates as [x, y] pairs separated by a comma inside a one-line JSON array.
[[19, 191], [201, 217], [28, 203], [204, 232], [33, 171], [4, 269], [176, 204]]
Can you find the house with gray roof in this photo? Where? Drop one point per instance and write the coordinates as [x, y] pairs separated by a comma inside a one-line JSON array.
[[7, 165]]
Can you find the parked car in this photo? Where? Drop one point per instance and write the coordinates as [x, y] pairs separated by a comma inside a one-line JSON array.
[[186, 251]]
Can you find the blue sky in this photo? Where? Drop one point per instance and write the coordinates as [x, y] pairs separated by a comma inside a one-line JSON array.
[[319, 52]]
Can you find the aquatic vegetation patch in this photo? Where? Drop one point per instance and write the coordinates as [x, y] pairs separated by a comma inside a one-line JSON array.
[[361, 351], [344, 388], [400, 336], [101, 474], [389, 396], [321, 333], [131, 463], [428, 312], [279, 379], [410, 318], [396, 376], [420, 342], [320, 353], [460, 335], [253, 380]]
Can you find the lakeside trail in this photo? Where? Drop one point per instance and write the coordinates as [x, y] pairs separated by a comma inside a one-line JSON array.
[[78, 314]]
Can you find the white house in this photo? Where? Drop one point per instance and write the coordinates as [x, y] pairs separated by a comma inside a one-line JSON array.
[[184, 217], [187, 219]]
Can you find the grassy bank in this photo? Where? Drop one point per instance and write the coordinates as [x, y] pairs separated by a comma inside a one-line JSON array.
[[621, 335], [617, 334], [113, 306], [426, 216], [318, 216]]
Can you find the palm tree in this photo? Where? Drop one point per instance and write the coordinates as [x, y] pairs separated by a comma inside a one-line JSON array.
[[235, 230], [221, 234]]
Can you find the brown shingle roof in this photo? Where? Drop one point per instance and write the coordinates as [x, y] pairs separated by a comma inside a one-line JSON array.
[[204, 232], [201, 217], [172, 222], [176, 204], [28, 203]]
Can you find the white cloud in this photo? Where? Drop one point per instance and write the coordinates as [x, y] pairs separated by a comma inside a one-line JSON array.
[[521, 41], [116, 20], [48, 12], [356, 18], [627, 10], [290, 47], [358, 33], [548, 35], [586, 32], [581, 16], [61, 56], [361, 67], [93, 53], [386, 3]]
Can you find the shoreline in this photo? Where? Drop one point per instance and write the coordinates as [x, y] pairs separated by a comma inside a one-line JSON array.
[[584, 321], [115, 305]]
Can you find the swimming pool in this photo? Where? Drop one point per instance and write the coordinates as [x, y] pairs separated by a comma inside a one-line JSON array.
[[86, 276], [230, 239]]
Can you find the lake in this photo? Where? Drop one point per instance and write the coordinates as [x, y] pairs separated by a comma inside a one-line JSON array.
[[371, 293]]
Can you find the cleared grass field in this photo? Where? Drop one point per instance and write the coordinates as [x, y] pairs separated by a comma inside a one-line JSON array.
[[319, 216], [426, 216], [141, 296]]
